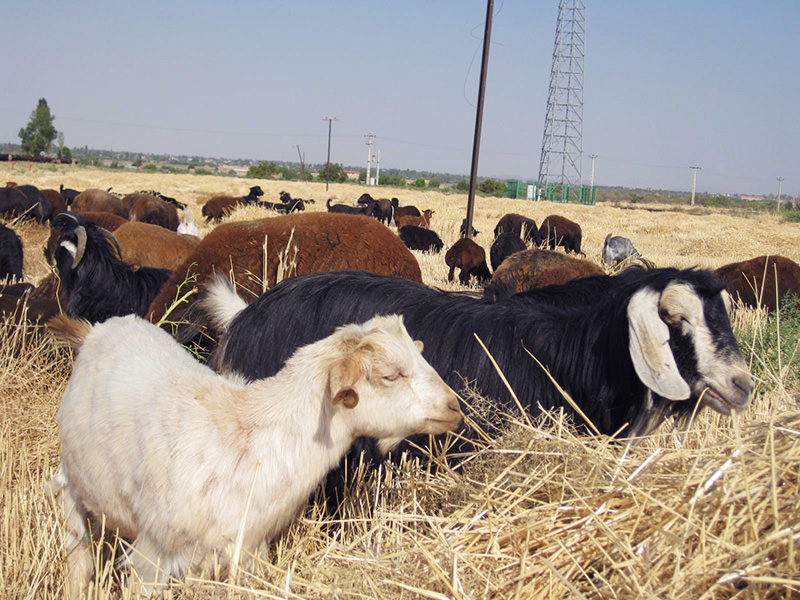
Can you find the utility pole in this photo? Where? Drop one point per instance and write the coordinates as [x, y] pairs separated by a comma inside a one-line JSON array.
[[780, 185], [302, 162], [476, 143], [330, 121], [369, 156], [591, 180], [378, 170], [694, 181]]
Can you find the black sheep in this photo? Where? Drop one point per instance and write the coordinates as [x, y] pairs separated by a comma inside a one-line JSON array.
[[504, 246], [419, 238], [10, 254]]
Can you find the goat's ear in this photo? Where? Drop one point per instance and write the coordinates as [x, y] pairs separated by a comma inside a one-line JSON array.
[[343, 377], [420, 346], [348, 397], [649, 347]]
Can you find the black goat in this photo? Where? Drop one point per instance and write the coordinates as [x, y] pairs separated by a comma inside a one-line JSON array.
[[630, 349], [361, 209], [95, 283], [160, 196], [287, 205], [10, 254], [68, 194], [463, 229], [382, 209], [419, 238]]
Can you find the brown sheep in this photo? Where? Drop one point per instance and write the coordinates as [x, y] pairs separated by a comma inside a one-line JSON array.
[[534, 268], [762, 281], [149, 245], [404, 211], [220, 206], [560, 231], [55, 200], [94, 200], [147, 208], [320, 242], [106, 220], [424, 220], [18, 305], [524, 227], [470, 258]]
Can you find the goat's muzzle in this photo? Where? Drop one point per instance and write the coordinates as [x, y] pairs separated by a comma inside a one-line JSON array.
[[446, 419]]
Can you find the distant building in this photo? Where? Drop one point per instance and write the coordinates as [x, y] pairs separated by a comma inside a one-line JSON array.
[[353, 174]]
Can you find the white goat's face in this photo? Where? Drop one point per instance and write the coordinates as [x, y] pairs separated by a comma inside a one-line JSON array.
[[388, 390], [683, 347]]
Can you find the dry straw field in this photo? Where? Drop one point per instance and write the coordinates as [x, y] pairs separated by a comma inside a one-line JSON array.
[[707, 512]]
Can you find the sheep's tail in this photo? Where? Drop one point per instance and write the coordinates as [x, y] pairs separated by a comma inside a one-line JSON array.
[[68, 331], [221, 303]]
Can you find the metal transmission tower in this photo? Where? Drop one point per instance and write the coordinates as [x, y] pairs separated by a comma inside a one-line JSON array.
[[562, 144]]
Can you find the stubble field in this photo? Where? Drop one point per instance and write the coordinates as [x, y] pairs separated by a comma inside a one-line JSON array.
[[706, 512]]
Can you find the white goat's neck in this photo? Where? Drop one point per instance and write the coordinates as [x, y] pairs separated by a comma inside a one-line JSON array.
[[287, 430]]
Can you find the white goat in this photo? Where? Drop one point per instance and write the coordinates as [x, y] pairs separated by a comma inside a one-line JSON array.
[[167, 450]]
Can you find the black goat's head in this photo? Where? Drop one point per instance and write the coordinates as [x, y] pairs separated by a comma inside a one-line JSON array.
[[682, 347], [73, 238]]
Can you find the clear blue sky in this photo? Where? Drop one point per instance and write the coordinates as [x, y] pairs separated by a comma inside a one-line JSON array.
[[668, 84]]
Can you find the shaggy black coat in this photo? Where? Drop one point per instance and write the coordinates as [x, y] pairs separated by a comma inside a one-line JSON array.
[[101, 285], [10, 254], [578, 330], [504, 246], [419, 238]]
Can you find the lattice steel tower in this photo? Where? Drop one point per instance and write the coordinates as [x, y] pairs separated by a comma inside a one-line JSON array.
[[562, 144]]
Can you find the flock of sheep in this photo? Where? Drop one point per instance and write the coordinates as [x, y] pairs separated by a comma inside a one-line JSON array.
[[323, 343]]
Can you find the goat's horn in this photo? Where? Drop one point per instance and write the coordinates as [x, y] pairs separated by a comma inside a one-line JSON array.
[[80, 233], [110, 237]]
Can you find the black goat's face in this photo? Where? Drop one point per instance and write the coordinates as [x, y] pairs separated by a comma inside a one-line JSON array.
[[683, 347]]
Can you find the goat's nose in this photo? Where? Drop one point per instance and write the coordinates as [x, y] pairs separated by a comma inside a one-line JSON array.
[[744, 385], [453, 405]]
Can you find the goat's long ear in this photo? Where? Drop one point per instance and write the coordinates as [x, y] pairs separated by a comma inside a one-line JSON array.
[[649, 347], [343, 377]]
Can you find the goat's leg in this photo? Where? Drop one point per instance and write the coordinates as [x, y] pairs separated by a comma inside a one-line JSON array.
[[80, 564], [150, 571]]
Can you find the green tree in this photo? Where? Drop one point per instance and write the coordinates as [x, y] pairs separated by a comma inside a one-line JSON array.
[[492, 187], [462, 186], [263, 170], [39, 134], [393, 180], [332, 172], [419, 182], [434, 182]]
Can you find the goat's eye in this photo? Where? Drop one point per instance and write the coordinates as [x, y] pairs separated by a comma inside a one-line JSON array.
[[675, 319], [394, 376]]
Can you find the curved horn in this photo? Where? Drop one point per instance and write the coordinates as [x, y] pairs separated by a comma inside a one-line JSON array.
[[649, 347], [110, 237], [80, 233]]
